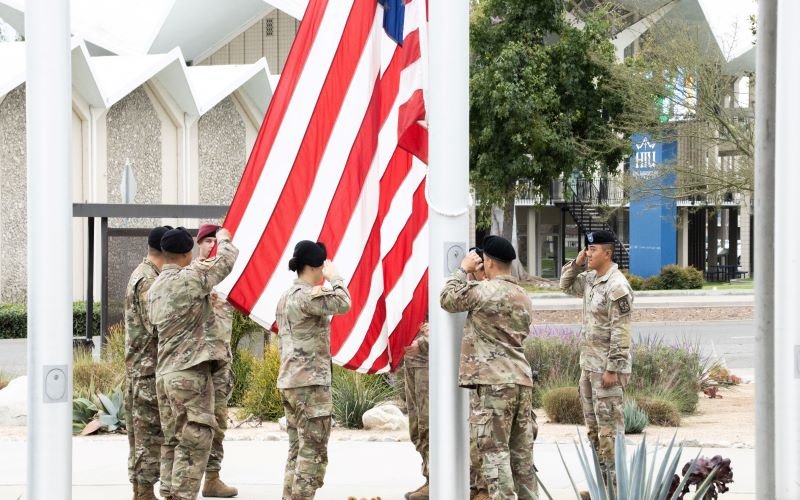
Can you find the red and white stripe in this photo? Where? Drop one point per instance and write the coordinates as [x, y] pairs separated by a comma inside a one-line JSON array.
[[340, 158]]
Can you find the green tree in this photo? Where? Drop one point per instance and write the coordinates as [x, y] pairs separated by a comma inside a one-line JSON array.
[[545, 98]]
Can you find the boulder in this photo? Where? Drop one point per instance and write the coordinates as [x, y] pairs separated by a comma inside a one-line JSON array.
[[384, 418], [13, 402]]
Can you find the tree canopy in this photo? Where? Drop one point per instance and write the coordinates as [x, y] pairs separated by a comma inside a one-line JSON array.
[[545, 98]]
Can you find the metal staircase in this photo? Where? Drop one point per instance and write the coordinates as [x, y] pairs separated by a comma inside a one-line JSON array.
[[581, 199]]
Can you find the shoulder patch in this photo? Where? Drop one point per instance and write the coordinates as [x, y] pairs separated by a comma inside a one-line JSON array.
[[623, 304], [618, 293], [318, 291]]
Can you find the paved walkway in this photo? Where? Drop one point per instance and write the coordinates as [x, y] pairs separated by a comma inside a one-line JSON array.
[[356, 468]]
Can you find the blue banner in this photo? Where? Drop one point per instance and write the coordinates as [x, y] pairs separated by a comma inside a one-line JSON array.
[[653, 233]]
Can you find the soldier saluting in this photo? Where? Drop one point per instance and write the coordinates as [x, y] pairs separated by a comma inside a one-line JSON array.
[[304, 379], [605, 341], [493, 363]]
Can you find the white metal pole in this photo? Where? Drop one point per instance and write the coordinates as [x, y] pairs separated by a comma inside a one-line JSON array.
[[49, 121], [764, 251], [448, 187], [787, 254]]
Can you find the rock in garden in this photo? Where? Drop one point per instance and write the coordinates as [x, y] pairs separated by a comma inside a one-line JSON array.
[[384, 418], [13, 402]]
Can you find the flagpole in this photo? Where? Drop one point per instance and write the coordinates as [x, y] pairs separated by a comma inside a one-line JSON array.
[[49, 122], [448, 185], [786, 338], [764, 270]]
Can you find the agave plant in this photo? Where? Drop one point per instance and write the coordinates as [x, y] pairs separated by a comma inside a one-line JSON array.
[[112, 416], [640, 479], [635, 418]]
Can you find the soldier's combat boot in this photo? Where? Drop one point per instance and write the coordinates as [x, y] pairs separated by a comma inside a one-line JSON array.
[[215, 488], [145, 492], [421, 494]]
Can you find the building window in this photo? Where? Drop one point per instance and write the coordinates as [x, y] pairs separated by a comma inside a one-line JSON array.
[[269, 27]]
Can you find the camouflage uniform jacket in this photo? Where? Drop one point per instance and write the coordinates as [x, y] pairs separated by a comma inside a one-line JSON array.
[[141, 343], [304, 332], [499, 317], [182, 311], [416, 355], [607, 305], [223, 312]]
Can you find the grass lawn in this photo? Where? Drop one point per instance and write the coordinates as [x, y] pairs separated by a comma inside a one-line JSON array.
[[738, 285]]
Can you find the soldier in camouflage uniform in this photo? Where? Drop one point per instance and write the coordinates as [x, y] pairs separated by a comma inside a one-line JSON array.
[[191, 350], [605, 340], [493, 362], [222, 378], [415, 366], [304, 379], [477, 486], [141, 347]]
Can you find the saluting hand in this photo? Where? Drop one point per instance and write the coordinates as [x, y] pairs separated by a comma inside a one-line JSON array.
[[329, 270], [472, 262], [580, 260]]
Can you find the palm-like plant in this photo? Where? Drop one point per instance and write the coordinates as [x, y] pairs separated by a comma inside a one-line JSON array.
[[639, 479]]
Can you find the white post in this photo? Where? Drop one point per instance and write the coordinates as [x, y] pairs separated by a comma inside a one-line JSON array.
[[448, 187], [787, 259], [49, 122]]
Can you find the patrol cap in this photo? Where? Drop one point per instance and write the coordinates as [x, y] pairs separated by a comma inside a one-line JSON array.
[[177, 240], [207, 230], [499, 248], [599, 237], [154, 238], [310, 253]]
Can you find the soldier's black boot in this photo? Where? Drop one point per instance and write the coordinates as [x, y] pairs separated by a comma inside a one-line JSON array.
[[215, 488]]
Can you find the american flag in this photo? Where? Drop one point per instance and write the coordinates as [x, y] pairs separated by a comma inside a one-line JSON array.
[[340, 158]]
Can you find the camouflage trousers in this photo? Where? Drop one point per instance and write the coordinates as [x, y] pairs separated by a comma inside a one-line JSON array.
[[416, 381], [189, 424], [308, 418], [603, 414], [223, 385], [504, 426], [476, 482], [144, 430]]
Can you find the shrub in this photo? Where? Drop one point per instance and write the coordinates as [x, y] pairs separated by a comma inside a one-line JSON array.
[[554, 355], [103, 375], [262, 398], [563, 405], [356, 393], [681, 278], [635, 418], [241, 372], [673, 371], [660, 411], [14, 320]]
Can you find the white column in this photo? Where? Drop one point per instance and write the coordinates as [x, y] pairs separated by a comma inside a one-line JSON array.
[[533, 242], [49, 121], [448, 110], [787, 290]]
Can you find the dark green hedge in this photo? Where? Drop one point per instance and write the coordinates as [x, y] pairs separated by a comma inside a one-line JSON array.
[[14, 320]]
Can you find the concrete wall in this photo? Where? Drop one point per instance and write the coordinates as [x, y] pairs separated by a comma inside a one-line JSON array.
[[223, 152], [13, 197]]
